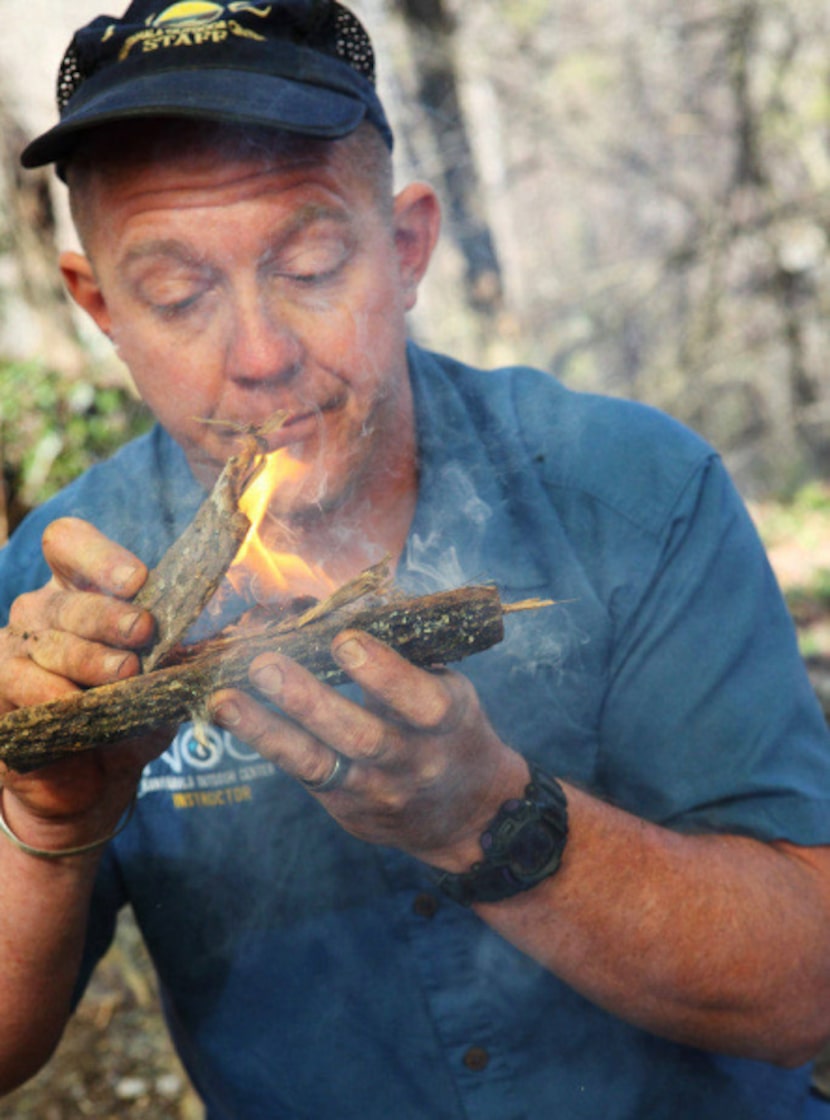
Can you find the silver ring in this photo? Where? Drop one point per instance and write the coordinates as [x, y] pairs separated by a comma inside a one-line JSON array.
[[335, 779]]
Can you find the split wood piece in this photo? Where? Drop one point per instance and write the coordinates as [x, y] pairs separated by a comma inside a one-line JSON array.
[[428, 630], [189, 573], [371, 582]]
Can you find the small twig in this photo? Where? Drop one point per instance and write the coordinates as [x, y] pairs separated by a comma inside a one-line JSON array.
[[368, 582], [253, 432], [533, 605]]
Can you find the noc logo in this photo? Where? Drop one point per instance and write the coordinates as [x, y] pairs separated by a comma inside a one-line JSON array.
[[205, 749], [202, 751]]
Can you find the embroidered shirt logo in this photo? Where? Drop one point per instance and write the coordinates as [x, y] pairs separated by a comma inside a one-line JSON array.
[[207, 769], [192, 23]]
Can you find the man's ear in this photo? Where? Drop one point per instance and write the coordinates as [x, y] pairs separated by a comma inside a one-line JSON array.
[[417, 224], [79, 277]]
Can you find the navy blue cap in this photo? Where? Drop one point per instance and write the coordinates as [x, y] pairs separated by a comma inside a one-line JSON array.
[[305, 66]]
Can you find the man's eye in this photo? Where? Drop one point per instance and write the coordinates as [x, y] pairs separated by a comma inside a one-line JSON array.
[[175, 308], [310, 278], [171, 294], [313, 266]]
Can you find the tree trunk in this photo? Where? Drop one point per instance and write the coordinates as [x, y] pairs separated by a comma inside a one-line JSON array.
[[430, 31], [29, 220]]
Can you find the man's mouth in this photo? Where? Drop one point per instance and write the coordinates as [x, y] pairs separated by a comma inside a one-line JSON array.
[[282, 428], [302, 425]]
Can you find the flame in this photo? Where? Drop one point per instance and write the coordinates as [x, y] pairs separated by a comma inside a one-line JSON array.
[[259, 574]]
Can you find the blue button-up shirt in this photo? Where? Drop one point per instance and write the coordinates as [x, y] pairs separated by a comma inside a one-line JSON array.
[[306, 974]]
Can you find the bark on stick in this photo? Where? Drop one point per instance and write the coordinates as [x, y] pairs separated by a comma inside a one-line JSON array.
[[427, 630], [190, 571]]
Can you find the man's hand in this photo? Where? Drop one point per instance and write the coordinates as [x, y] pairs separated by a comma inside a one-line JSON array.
[[80, 629], [426, 771], [77, 631]]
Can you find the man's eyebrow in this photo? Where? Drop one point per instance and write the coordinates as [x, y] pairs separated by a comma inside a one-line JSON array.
[[163, 247], [312, 213]]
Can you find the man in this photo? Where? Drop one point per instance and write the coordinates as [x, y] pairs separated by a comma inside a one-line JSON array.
[[586, 877]]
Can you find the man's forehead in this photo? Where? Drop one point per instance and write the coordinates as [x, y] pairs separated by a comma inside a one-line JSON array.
[[212, 220], [174, 162], [200, 172]]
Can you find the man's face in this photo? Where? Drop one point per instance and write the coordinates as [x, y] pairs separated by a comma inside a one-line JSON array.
[[234, 290]]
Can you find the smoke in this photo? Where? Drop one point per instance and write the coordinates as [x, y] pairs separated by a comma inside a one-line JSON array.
[[456, 545], [427, 556], [542, 644], [473, 508], [438, 569]]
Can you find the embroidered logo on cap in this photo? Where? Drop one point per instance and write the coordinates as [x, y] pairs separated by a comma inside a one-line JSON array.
[[199, 11], [190, 23]]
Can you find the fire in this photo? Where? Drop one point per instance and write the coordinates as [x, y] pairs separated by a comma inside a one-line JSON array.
[[258, 573]]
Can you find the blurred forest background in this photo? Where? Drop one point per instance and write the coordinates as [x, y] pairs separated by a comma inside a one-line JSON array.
[[637, 199]]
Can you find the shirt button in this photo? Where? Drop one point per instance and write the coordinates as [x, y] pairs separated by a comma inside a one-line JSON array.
[[476, 1059], [425, 905]]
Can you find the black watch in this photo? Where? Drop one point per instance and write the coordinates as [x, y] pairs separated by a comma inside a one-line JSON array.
[[522, 845]]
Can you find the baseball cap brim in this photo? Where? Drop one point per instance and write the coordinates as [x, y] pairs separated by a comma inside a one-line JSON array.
[[208, 93]]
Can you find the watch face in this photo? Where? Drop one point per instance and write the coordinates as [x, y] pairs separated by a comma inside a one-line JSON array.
[[532, 848], [526, 840]]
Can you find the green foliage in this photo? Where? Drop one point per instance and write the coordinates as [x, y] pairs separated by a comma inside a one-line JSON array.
[[803, 516], [796, 531], [814, 496], [53, 428]]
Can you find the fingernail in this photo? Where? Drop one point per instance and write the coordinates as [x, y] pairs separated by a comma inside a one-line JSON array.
[[123, 575], [268, 678], [226, 714], [114, 663], [350, 654], [127, 623]]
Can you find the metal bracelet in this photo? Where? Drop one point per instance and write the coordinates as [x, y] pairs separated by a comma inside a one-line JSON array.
[[61, 853]]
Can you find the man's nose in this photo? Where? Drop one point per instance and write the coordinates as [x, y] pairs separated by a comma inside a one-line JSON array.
[[262, 345]]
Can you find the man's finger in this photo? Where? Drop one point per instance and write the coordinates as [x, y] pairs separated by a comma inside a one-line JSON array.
[[81, 557], [279, 739], [85, 663], [424, 700], [87, 614], [26, 684], [331, 718]]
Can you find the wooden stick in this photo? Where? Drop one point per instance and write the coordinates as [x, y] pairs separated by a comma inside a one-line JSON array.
[[189, 573], [430, 630]]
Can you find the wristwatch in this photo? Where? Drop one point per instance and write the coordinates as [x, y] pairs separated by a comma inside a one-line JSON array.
[[522, 845]]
